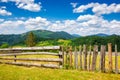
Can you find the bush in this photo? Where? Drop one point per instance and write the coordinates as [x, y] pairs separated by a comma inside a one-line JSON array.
[[5, 45]]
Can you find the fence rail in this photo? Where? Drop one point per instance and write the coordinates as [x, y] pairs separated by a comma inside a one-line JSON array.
[[6, 56]]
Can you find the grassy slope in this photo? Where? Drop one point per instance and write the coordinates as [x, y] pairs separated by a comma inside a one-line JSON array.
[[10, 72]]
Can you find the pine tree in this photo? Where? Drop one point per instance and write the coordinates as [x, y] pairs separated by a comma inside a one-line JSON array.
[[30, 40]]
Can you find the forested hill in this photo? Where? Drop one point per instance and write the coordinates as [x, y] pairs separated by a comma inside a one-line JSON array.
[[39, 34]]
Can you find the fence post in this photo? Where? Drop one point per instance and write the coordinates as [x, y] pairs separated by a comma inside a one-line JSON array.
[[94, 58], [60, 57], [70, 52], [89, 63], [85, 56], [76, 59], [62, 49], [110, 56], [66, 56], [80, 51], [102, 58], [116, 60]]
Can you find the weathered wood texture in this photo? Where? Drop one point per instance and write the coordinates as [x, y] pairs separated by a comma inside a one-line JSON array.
[[76, 59], [85, 56], [116, 60], [89, 63], [32, 51], [33, 48], [94, 58], [80, 52], [110, 57], [102, 58], [70, 53]]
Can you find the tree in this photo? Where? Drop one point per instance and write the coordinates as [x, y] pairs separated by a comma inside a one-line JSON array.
[[30, 40]]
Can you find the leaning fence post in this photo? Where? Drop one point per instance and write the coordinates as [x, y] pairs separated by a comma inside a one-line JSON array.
[[102, 58], [76, 59], [110, 56], [80, 51], [94, 58], [116, 60], [85, 56], [89, 63]]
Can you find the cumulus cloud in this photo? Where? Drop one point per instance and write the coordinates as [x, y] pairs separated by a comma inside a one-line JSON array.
[[83, 25], [4, 12], [98, 8], [26, 4]]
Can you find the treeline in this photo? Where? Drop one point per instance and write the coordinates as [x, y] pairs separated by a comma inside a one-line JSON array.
[[88, 40], [97, 40]]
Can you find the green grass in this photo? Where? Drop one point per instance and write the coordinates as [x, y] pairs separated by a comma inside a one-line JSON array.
[[10, 72]]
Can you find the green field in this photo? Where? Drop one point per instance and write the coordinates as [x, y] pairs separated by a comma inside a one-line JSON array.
[[10, 72]]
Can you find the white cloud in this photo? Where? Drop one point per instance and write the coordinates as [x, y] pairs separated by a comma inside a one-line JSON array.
[[4, 12], [83, 25], [1, 20], [74, 4], [26, 4], [98, 8]]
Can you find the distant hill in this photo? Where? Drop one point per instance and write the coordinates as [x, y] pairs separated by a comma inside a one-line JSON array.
[[76, 35], [40, 35], [101, 35]]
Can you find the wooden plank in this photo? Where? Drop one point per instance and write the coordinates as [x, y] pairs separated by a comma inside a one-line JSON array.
[[89, 63], [102, 58], [116, 60], [31, 53], [34, 59], [76, 58], [32, 64], [110, 57], [80, 52], [33, 48], [85, 56], [94, 58]]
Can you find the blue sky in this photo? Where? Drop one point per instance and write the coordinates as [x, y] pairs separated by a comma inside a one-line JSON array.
[[83, 17]]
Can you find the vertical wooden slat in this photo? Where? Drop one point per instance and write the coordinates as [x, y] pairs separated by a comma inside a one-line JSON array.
[[62, 55], [110, 56], [85, 56], [80, 52], [70, 52], [89, 63], [116, 60], [94, 58], [102, 58], [76, 59], [66, 56]]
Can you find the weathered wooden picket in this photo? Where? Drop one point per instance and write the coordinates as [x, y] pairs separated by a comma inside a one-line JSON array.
[[86, 58], [5, 56]]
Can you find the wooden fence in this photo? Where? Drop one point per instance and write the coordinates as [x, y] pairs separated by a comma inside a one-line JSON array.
[[12, 56], [84, 58], [92, 59]]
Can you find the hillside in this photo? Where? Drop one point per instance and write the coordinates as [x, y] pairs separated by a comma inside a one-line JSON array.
[[40, 35]]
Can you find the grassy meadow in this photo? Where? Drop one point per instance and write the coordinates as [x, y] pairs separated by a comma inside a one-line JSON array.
[[11, 72]]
